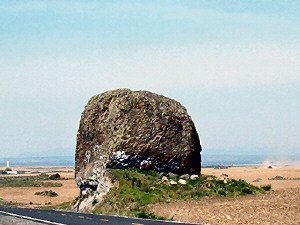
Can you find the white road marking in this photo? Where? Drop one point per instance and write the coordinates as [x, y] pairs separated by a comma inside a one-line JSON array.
[[31, 218], [142, 219]]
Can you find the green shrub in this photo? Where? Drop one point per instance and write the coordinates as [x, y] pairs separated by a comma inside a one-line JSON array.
[[267, 187], [278, 178], [47, 193], [26, 181], [50, 184], [62, 206], [247, 190], [43, 176], [221, 192], [55, 177], [146, 215]]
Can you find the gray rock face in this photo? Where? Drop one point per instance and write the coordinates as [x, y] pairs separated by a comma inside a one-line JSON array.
[[123, 128]]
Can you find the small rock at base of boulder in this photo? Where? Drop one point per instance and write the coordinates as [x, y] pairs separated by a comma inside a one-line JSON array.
[[164, 179], [194, 177], [172, 175], [185, 176], [181, 181], [173, 182]]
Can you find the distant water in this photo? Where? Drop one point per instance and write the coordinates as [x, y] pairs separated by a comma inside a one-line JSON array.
[[207, 160], [231, 160], [39, 161]]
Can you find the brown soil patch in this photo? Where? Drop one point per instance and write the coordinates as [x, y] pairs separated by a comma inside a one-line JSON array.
[[251, 174], [281, 206], [24, 195], [276, 207]]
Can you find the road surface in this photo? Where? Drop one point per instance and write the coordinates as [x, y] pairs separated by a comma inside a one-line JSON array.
[[26, 216]]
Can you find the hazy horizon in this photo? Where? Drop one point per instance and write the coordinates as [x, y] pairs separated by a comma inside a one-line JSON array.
[[235, 66], [213, 158]]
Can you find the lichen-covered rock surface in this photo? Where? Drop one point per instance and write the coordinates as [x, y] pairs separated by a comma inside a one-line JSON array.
[[123, 128]]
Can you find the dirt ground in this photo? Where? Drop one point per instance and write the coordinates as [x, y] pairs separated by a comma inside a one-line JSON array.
[[251, 174], [276, 207], [280, 206], [25, 195]]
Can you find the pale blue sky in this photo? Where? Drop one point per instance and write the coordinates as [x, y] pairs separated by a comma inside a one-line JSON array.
[[235, 65]]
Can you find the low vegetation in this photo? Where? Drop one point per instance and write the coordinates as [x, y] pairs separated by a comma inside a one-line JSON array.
[[9, 203], [257, 180], [27, 181], [55, 176], [47, 193], [278, 178], [267, 187], [283, 178], [63, 206], [136, 190]]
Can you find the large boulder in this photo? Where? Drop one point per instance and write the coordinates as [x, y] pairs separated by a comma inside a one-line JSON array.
[[123, 128]]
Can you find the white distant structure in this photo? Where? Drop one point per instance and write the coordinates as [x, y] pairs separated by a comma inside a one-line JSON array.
[[7, 164], [12, 172]]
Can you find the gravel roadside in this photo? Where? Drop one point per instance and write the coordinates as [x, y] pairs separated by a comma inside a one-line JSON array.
[[11, 220]]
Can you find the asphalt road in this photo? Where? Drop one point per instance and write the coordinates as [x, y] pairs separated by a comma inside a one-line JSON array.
[[37, 216]]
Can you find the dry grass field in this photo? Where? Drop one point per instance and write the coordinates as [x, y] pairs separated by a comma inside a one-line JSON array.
[[260, 175], [25, 195], [280, 206]]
